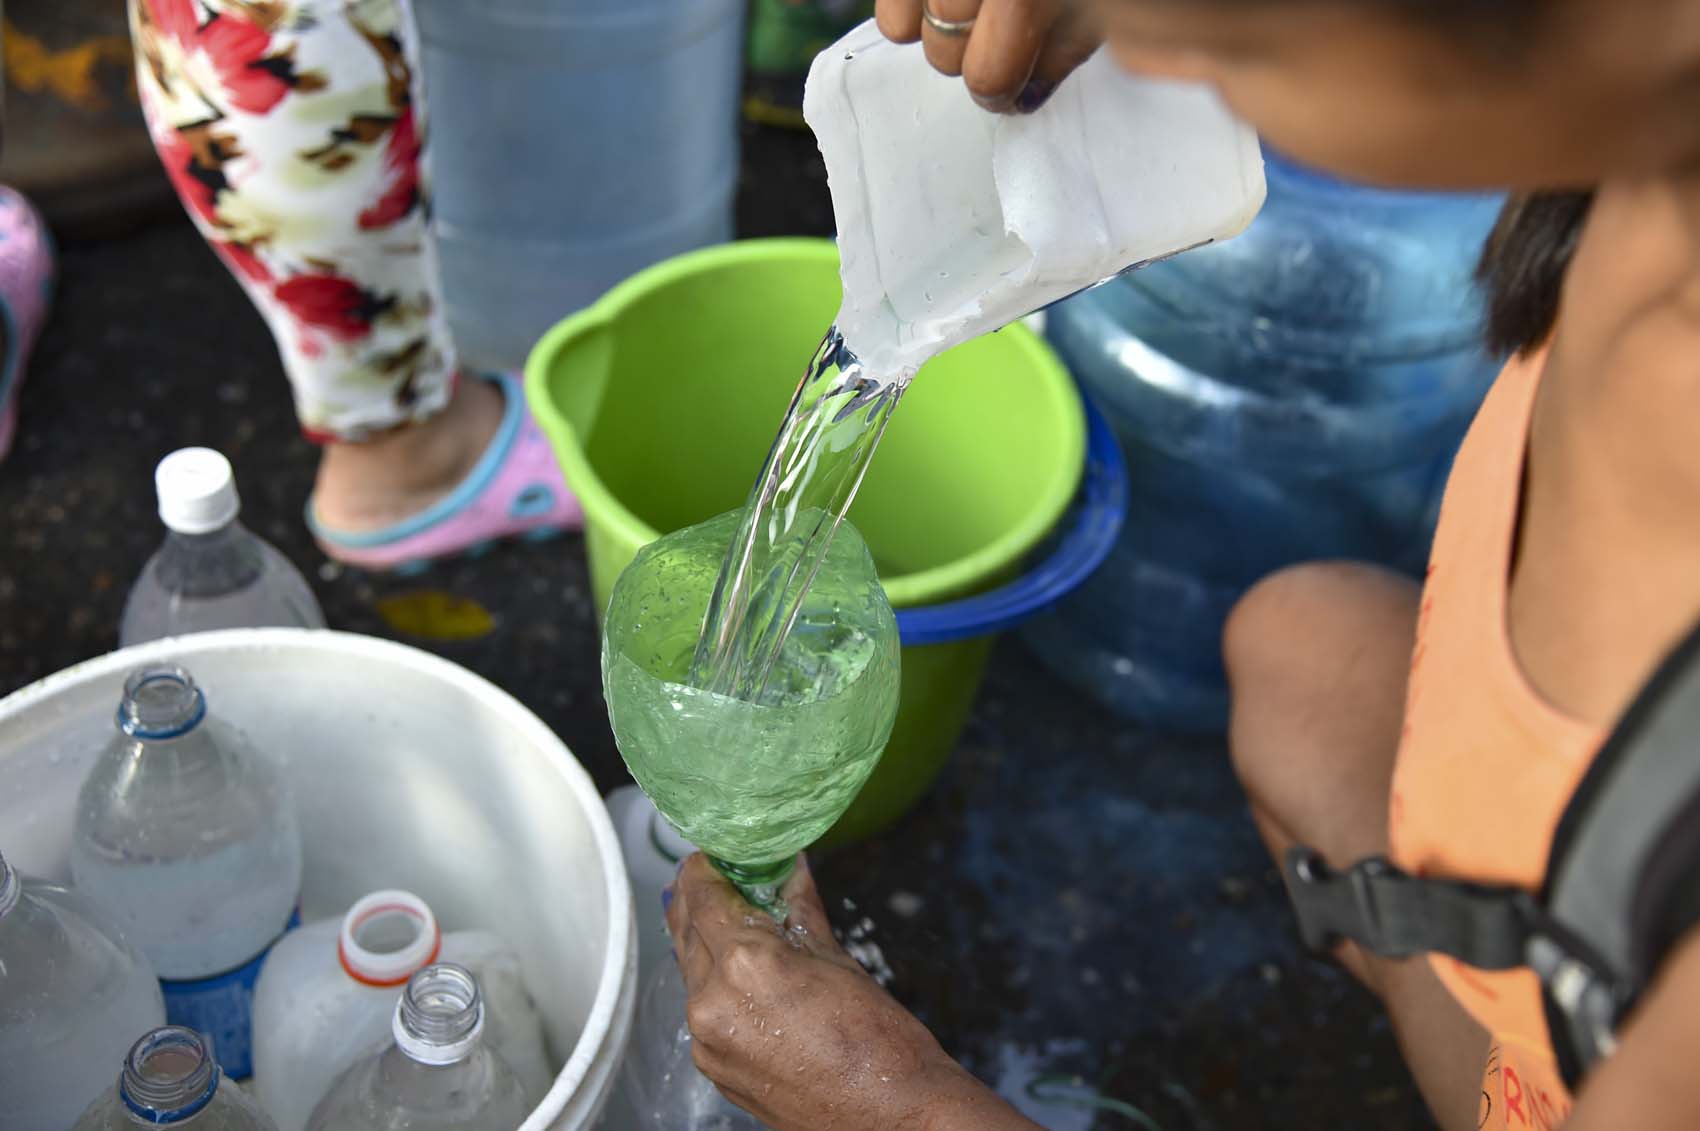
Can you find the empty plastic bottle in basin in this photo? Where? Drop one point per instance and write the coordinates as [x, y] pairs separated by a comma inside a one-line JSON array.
[[572, 144], [73, 995], [437, 1071], [212, 572], [171, 1079], [186, 837], [1295, 394], [328, 993]]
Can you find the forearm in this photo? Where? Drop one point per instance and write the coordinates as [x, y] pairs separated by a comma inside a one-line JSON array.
[[961, 1103]]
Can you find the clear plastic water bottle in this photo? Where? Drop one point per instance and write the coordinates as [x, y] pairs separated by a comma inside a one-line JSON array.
[[660, 1085], [328, 993], [73, 993], [641, 167], [171, 1079], [212, 572], [186, 837], [437, 1072], [1292, 394]]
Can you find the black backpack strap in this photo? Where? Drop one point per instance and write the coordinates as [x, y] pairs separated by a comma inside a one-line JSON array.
[[1397, 915], [1623, 878], [1622, 887]]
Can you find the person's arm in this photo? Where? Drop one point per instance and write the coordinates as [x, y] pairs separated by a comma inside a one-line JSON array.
[[1650, 1083], [791, 1029]]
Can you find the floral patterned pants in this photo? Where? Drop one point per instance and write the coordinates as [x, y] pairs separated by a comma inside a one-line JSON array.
[[292, 131]]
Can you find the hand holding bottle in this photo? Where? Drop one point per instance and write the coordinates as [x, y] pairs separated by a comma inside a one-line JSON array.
[[792, 1030], [1011, 54]]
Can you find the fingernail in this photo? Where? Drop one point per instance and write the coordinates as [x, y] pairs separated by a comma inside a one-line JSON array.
[[1034, 95], [666, 900]]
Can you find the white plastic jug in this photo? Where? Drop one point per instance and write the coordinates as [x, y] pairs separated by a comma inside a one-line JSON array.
[[653, 850], [954, 221], [328, 992]]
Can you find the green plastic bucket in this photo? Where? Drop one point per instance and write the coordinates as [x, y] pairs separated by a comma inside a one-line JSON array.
[[662, 399]]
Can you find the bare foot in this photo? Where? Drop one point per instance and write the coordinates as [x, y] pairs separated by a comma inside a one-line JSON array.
[[395, 475]]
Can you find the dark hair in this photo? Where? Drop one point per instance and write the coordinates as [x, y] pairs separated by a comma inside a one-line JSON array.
[[1524, 264]]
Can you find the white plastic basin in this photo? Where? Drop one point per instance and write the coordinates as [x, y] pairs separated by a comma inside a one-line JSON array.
[[409, 772]]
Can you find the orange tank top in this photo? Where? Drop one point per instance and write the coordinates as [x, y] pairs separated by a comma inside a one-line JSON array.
[[1486, 765]]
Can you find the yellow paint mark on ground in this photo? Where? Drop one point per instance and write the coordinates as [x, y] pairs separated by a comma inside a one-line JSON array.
[[432, 614]]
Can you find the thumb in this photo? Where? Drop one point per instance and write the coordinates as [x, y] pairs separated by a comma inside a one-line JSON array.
[[807, 914]]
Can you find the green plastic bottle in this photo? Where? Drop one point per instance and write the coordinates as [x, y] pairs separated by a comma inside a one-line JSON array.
[[752, 782]]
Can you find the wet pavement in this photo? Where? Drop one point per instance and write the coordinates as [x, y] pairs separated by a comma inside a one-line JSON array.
[[1075, 898]]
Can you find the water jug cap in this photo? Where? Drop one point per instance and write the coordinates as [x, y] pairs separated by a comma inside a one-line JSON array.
[[363, 962], [646, 830], [197, 491], [668, 839]]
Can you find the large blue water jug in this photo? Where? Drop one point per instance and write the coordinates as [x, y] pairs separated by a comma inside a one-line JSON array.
[[1293, 394], [571, 144]]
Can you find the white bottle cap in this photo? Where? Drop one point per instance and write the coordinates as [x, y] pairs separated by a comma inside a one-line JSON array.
[[197, 491], [388, 967], [646, 835]]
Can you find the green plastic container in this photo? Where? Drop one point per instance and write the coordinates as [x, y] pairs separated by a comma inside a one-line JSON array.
[[662, 399]]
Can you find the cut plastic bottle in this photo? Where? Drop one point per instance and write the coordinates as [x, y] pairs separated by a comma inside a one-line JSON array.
[[212, 572], [171, 1079], [328, 992], [954, 221], [436, 1072], [73, 994], [186, 836]]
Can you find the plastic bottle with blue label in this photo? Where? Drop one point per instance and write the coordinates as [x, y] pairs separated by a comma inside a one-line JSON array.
[[437, 1072], [1294, 394], [186, 837], [328, 993], [73, 995], [171, 1079]]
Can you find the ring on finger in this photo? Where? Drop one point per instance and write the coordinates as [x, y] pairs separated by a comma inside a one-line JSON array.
[[946, 27]]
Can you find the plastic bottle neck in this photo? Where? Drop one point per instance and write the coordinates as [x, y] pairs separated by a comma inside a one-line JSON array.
[[169, 1076], [440, 1018], [201, 539], [11, 887], [160, 702], [387, 937]]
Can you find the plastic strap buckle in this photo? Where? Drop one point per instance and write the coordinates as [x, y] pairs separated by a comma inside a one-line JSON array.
[[1396, 915]]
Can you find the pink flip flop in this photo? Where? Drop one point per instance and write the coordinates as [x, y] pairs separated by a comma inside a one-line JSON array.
[[515, 491], [26, 288]]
